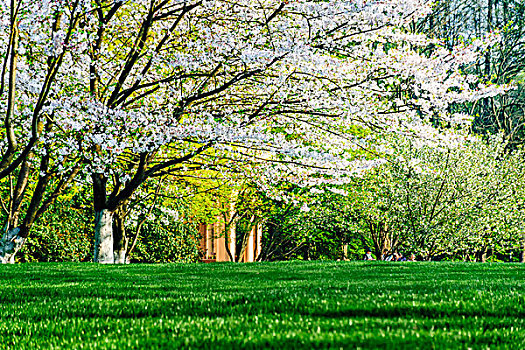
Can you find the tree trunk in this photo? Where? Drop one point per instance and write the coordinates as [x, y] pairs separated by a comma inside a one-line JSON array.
[[120, 256], [13, 237], [120, 245], [104, 237], [10, 244], [482, 255]]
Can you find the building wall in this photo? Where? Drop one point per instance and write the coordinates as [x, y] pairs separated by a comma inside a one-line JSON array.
[[213, 243]]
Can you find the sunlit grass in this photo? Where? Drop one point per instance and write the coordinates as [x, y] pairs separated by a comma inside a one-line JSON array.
[[263, 305]]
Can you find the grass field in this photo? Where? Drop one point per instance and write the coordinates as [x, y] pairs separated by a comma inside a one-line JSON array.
[[263, 305]]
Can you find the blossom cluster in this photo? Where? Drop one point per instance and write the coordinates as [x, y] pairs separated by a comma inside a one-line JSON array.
[[298, 90]]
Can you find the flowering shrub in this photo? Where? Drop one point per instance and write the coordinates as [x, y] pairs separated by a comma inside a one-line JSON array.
[[449, 202]]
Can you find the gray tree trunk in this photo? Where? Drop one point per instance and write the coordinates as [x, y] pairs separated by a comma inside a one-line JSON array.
[[120, 240], [104, 237], [10, 244], [120, 257], [120, 246]]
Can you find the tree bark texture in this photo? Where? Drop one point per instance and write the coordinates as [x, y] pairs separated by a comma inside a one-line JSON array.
[[104, 237], [120, 241]]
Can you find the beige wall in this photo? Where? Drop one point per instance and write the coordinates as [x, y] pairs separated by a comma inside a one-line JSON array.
[[213, 242]]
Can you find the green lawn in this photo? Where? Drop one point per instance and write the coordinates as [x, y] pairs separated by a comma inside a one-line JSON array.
[[263, 305]]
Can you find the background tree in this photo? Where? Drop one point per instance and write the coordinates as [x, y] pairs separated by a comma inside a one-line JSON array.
[[463, 21], [461, 202]]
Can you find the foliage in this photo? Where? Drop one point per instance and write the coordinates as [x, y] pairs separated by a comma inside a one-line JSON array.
[[459, 202], [291, 231], [262, 305], [174, 242], [62, 234], [462, 202], [319, 233]]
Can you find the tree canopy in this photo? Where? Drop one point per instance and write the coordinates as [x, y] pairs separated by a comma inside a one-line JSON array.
[[119, 92]]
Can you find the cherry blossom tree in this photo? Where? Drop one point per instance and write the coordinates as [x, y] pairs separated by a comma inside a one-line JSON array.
[[460, 202], [463, 201], [272, 89], [34, 72]]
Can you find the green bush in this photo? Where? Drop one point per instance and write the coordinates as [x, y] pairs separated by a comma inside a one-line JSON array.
[[176, 242], [64, 233]]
